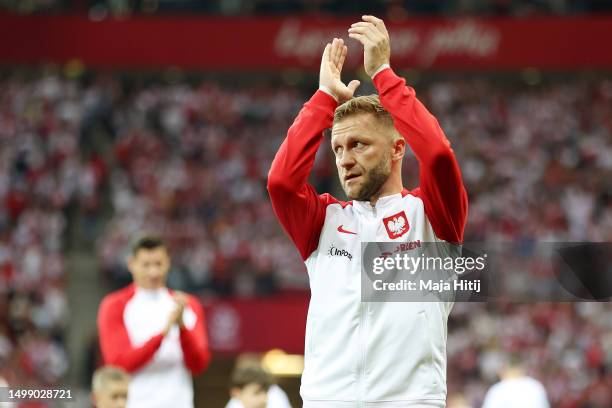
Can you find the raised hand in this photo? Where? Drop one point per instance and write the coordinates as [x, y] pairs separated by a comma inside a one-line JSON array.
[[372, 33], [181, 301], [331, 68], [176, 317]]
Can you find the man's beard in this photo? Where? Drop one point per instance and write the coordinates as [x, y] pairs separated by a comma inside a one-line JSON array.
[[374, 181]]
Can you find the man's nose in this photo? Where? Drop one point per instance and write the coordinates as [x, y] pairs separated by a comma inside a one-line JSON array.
[[347, 160], [154, 271]]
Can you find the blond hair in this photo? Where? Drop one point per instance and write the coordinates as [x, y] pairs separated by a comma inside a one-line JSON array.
[[365, 104], [103, 375]]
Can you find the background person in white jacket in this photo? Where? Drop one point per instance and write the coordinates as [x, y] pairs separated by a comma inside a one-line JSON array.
[[516, 390]]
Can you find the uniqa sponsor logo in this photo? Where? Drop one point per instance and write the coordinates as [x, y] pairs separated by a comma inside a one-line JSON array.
[[333, 251]]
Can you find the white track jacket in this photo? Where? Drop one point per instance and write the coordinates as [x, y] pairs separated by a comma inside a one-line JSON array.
[[369, 354]]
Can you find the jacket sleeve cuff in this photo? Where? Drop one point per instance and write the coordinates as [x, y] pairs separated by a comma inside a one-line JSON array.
[[384, 79], [323, 100], [380, 69], [328, 91]]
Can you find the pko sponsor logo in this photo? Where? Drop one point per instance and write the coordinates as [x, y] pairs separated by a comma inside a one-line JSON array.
[[333, 251]]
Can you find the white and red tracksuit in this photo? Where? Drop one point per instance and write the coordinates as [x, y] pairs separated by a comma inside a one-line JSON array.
[[130, 326], [369, 354]]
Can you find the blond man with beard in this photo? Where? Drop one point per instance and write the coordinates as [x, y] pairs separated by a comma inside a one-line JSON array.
[[368, 354]]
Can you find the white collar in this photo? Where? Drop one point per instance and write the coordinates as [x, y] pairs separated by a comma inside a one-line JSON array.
[[381, 203], [151, 294]]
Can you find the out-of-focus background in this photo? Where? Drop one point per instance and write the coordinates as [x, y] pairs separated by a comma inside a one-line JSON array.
[[124, 116]]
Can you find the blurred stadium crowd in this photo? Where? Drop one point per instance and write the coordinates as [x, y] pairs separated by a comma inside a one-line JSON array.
[[190, 159], [391, 8], [43, 172]]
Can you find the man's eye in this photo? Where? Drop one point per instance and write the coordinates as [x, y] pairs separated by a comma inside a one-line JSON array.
[[359, 145]]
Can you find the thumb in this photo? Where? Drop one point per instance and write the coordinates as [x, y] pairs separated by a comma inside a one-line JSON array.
[[352, 86], [326, 51]]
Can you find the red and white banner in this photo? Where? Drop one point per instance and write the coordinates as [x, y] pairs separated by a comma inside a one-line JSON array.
[[273, 43]]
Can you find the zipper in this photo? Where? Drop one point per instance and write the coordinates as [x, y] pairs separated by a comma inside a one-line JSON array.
[[363, 316], [362, 341]]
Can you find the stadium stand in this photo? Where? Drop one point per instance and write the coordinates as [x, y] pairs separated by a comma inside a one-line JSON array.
[[189, 158]]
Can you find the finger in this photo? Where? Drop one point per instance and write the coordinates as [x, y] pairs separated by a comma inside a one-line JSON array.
[[363, 24], [380, 24], [367, 28], [326, 52], [332, 51], [336, 51], [339, 49], [372, 19], [362, 39], [352, 86], [369, 33], [342, 57]]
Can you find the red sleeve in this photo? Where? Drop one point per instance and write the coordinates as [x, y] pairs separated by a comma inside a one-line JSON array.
[[297, 205], [194, 342], [115, 344], [440, 186]]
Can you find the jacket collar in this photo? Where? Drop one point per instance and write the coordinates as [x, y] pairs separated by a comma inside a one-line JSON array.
[[150, 294], [382, 203]]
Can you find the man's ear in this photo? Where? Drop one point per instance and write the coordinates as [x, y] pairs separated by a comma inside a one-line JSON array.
[[130, 263], [399, 149]]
